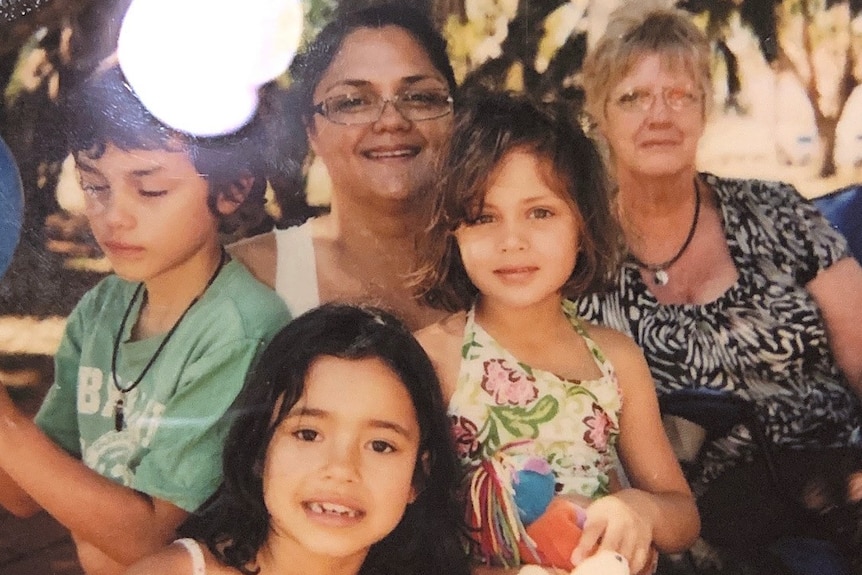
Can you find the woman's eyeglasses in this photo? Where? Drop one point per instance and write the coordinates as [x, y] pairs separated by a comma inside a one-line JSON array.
[[366, 107], [642, 100]]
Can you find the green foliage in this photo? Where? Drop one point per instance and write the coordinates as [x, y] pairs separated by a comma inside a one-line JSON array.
[[534, 46], [317, 14]]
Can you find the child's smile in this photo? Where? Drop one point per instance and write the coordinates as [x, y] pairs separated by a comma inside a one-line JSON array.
[[333, 513], [339, 468]]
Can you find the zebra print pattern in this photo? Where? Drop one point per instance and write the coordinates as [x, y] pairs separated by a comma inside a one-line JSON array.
[[764, 338]]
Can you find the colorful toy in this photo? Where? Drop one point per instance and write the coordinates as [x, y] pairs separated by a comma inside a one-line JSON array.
[[516, 516]]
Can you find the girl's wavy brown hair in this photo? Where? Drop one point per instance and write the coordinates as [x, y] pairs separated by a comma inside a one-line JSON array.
[[488, 126]]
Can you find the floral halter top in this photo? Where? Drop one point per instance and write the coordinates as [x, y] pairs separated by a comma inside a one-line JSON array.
[[500, 402]]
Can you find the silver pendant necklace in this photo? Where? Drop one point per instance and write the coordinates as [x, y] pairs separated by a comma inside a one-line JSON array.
[[659, 271]]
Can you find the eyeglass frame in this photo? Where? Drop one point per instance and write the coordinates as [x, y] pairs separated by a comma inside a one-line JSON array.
[[697, 97], [322, 109]]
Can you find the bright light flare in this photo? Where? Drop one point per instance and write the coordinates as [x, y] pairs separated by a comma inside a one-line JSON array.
[[197, 64]]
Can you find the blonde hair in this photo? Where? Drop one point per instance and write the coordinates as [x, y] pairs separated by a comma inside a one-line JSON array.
[[636, 29]]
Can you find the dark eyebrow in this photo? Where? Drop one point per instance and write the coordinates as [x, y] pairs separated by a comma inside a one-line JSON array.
[[420, 77], [356, 83], [147, 171], [375, 423], [384, 424], [349, 83], [90, 169], [85, 167]]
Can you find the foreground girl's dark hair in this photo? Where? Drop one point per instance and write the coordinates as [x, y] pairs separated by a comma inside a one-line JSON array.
[[235, 523], [487, 127]]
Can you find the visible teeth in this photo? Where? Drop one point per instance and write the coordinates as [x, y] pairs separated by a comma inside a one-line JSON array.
[[391, 154], [332, 508]]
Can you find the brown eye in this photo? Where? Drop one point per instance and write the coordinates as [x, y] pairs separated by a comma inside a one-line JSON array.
[[635, 99], [425, 98], [481, 219], [381, 446], [349, 103], [305, 434]]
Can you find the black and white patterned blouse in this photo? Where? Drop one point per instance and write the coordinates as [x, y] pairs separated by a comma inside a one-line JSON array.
[[764, 338]]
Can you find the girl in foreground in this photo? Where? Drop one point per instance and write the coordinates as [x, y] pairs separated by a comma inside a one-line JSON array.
[[339, 461], [521, 222]]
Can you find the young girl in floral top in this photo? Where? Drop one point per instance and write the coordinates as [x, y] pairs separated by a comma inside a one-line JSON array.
[[521, 222]]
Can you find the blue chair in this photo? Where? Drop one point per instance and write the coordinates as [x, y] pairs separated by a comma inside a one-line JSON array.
[[843, 209], [11, 206]]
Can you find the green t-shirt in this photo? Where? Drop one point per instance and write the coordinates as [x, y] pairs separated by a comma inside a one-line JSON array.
[[176, 419]]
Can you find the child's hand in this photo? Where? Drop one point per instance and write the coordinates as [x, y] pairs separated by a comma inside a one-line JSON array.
[[615, 525]]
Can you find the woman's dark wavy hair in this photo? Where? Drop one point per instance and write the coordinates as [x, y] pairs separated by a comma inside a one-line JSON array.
[[235, 523], [297, 103], [103, 109], [488, 126]]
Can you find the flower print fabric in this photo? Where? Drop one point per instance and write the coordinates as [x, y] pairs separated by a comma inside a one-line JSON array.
[[500, 401]]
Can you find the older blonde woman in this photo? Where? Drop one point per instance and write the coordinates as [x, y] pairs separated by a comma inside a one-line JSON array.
[[732, 285]]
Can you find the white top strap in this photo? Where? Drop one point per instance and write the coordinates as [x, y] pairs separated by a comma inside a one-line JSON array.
[[296, 268], [194, 549]]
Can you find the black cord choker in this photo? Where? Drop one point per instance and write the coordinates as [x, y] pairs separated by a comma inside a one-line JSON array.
[[659, 271], [119, 415]]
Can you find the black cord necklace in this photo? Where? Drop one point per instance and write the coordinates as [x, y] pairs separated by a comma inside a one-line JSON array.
[[659, 271], [119, 416]]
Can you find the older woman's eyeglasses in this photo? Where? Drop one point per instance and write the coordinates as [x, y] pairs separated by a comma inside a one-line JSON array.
[[366, 107], [642, 100]]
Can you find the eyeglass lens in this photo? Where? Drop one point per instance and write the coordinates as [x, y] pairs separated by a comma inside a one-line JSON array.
[[642, 99], [364, 107]]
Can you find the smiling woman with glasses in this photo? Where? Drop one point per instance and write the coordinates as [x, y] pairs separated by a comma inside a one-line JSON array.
[[371, 98], [733, 286]]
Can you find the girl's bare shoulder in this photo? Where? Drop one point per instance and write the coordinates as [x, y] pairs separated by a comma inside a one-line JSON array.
[[618, 347], [442, 332], [442, 342], [176, 559]]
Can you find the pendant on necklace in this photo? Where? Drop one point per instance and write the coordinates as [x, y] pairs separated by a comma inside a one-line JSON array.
[[119, 418], [661, 277]]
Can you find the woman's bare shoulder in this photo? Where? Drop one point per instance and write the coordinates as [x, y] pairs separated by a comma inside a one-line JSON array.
[[442, 342], [259, 254]]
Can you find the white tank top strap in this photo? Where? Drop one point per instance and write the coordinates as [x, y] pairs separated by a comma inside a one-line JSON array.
[[194, 549], [296, 268]]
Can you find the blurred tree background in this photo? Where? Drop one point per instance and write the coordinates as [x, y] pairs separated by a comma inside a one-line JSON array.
[[787, 75]]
